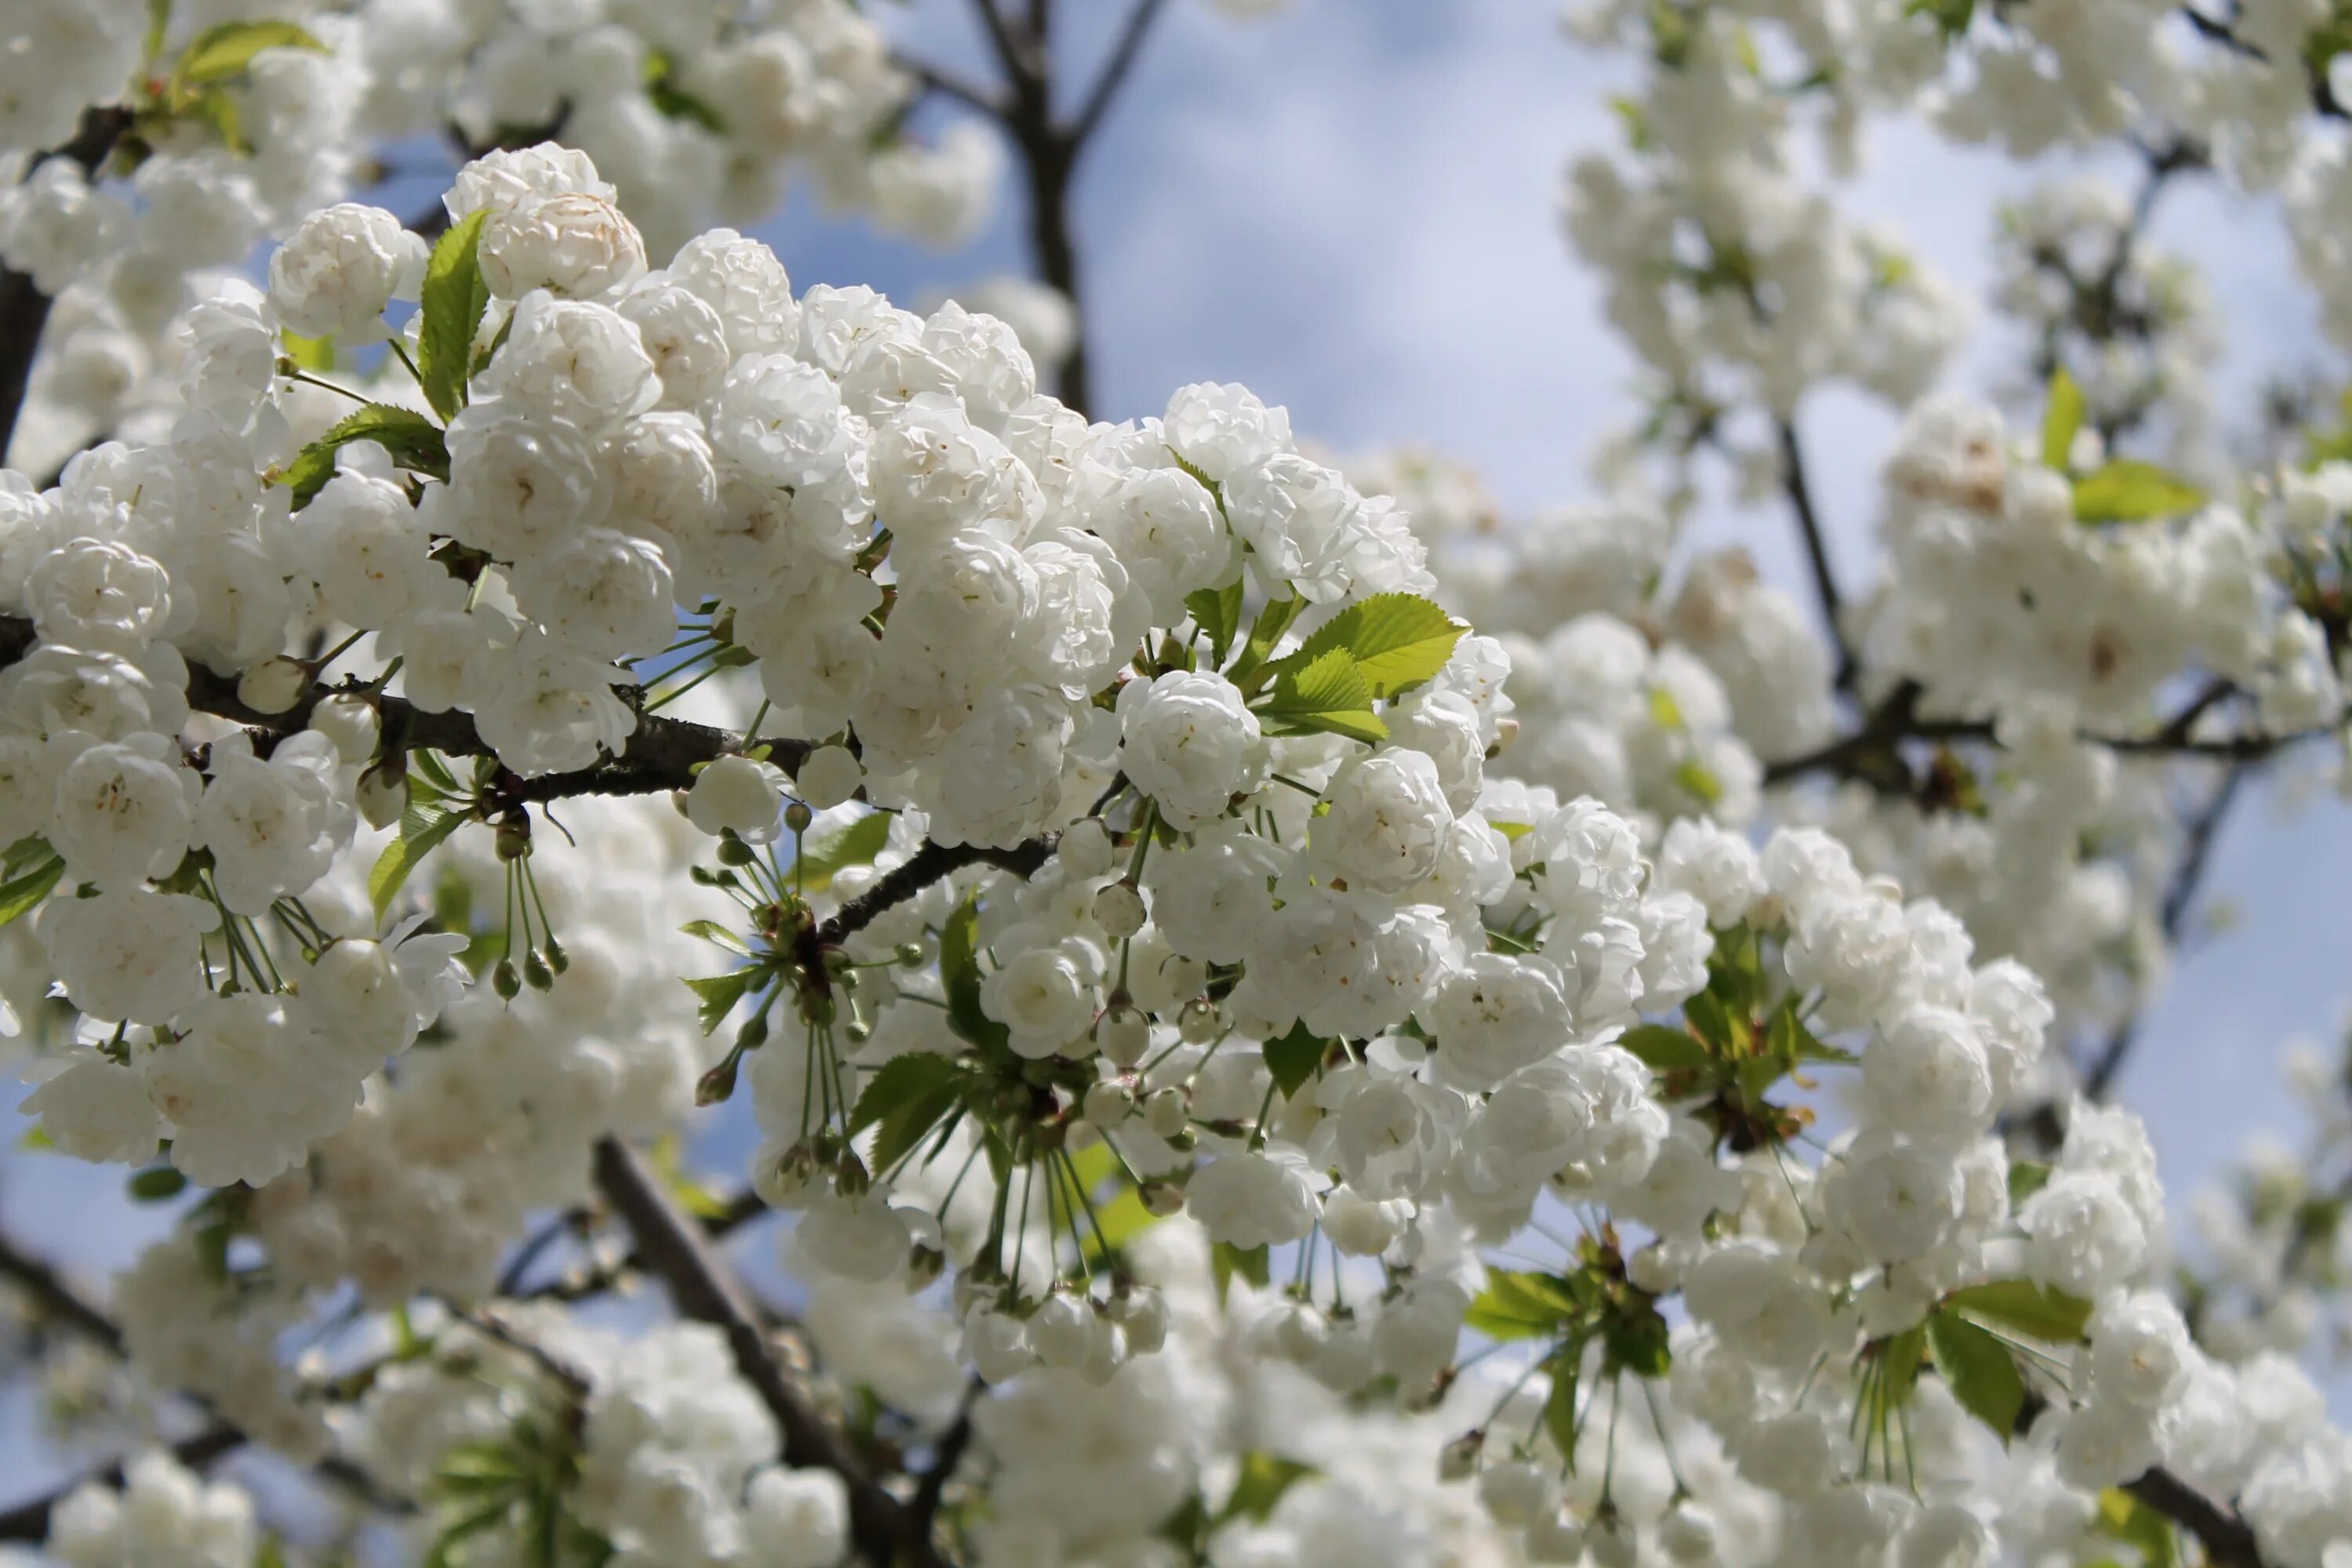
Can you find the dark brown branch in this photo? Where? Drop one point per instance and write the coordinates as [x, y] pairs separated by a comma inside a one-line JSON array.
[[1817, 554], [1116, 69], [945, 1457], [920, 870], [24, 308], [885, 1532], [2229, 1541], [947, 84]]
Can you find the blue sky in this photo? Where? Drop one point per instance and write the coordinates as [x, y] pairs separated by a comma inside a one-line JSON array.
[[1349, 207]]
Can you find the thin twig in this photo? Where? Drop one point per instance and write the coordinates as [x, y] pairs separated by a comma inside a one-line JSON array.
[[1116, 69], [1817, 555]]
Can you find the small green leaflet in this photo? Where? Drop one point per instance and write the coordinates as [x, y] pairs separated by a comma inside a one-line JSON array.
[[421, 829], [1977, 1367], [1639, 1344], [414, 441], [1218, 612], [23, 892], [852, 844], [2062, 420], [1327, 693], [712, 932], [218, 54], [1513, 831], [1519, 1305], [904, 1100], [1253, 1264], [2026, 1177], [1559, 1404], [1952, 16], [1264, 1478], [1249, 671], [2125, 1518], [1397, 642], [1293, 1058], [718, 994], [157, 1183], [1665, 1050], [2031, 1310], [454, 300], [2128, 490], [960, 973]]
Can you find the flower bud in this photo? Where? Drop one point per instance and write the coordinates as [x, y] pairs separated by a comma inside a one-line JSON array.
[[1108, 1104], [1557, 1538], [506, 980], [1612, 1543], [272, 686], [718, 1084], [797, 817], [1142, 1311], [1119, 908], [924, 1265], [1162, 1198], [1200, 1022], [830, 776], [1124, 1036], [1062, 1332], [536, 973], [1165, 1112], [513, 839], [1086, 849], [1459, 1457], [733, 851], [382, 794], [1516, 1493]]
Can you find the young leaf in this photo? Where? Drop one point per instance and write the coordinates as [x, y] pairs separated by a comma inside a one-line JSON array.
[[1519, 1305], [2128, 490], [2126, 1518], [23, 892], [421, 831], [1396, 640], [904, 1100], [1293, 1058], [1664, 1049], [220, 52], [414, 441], [1218, 612], [1264, 1478], [960, 973], [1639, 1343], [452, 304], [2026, 1177], [1328, 693], [1226, 1260], [712, 932], [2033, 1310], [853, 844], [718, 994], [1249, 671], [2062, 419], [1977, 1367], [1559, 1405]]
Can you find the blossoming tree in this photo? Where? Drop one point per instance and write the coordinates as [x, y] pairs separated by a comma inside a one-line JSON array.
[[1289, 1018]]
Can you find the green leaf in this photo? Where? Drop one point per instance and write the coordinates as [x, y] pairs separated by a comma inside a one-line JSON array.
[[1952, 16], [1253, 1264], [1639, 1343], [1514, 831], [421, 831], [1698, 782], [1977, 1367], [712, 932], [157, 1183], [718, 994], [2062, 420], [316, 356], [215, 106], [453, 301], [1218, 612], [959, 973], [23, 892], [415, 442], [1559, 1405], [1665, 1050], [1519, 1305], [1122, 1219], [904, 1100], [1249, 671], [1397, 641], [1787, 1038], [2030, 1308], [227, 50], [2129, 491], [1901, 1357], [2126, 1518], [1264, 1478], [1328, 693], [2026, 1177], [1293, 1058], [852, 844]]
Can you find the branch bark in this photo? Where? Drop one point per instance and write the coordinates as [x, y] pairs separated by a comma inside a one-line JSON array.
[[1799, 492], [886, 1531]]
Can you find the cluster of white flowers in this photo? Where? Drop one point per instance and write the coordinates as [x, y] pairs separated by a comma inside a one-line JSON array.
[[161, 1516]]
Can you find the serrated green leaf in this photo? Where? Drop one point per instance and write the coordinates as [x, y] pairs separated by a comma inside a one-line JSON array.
[[1226, 1261], [452, 304], [904, 1100], [2062, 420], [1328, 693], [1520, 1305], [219, 53], [23, 892], [1218, 612], [1293, 1058], [2129, 491], [718, 994], [1264, 1478], [415, 442], [1250, 670], [1665, 1050], [960, 974], [1978, 1369], [421, 830], [1397, 641], [2033, 1310], [852, 844]]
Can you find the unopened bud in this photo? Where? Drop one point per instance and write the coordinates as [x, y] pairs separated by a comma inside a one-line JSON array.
[[383, 791], [1200, 1022], [1162, 1198], [557, 958], [506, 980], [718, 1085], [797, 817], [1086, 849], [536, 973], [1108, 1104], [1165, 1112], [911, 955], [733, 851], [830, 776], [514, 838], [850, 1178], [1124, 1036], [1459, 1457], [1119, 908], [924, 1264], [272, 686]]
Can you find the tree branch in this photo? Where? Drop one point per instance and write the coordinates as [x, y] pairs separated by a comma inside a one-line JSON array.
[[1808, 523], [920, 870], [1116, 69], [948, 85], [24, 308], [2229, 1541], [886, 1532]]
